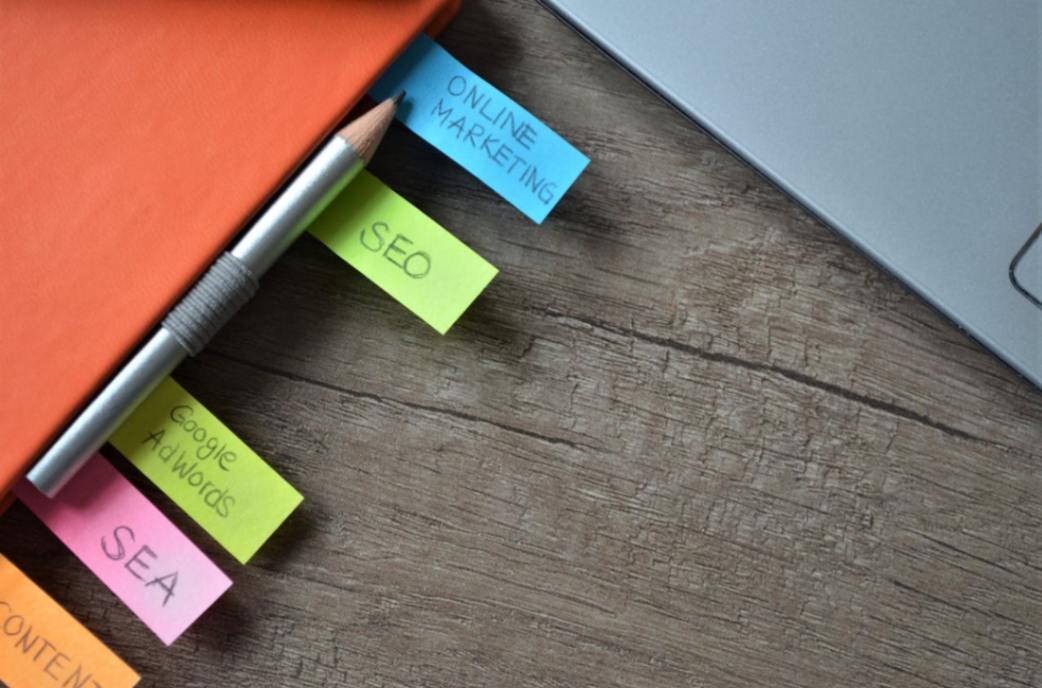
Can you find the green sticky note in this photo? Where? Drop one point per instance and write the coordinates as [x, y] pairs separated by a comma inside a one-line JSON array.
[[407, 254], [206, 470]]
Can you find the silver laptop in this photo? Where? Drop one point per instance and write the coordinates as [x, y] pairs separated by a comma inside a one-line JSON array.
[[912, 127]]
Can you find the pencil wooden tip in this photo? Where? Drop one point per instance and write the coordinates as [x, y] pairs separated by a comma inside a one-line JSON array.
[[365, 133]]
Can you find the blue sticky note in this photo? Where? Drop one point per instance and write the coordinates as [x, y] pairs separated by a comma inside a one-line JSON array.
[[497, 140]]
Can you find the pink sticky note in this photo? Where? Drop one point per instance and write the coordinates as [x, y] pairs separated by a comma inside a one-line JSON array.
[[141, 556]]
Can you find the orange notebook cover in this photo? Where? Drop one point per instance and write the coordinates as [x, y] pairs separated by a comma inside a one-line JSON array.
[[137, 137]]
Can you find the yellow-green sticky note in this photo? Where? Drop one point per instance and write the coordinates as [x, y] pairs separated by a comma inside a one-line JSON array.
[[406, 253], [206, 470]]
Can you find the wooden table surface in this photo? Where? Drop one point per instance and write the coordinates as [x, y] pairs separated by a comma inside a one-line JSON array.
[[688, 437]]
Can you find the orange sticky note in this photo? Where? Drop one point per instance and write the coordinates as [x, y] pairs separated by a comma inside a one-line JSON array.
[[42, 645]]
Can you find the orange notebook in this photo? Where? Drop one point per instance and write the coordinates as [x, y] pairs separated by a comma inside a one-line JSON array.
[[137, 138]]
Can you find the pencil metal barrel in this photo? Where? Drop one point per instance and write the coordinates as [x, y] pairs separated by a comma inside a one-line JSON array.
[[106, 412], [332, 168]]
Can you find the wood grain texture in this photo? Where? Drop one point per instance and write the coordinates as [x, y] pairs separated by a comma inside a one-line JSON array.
[[687, 438]]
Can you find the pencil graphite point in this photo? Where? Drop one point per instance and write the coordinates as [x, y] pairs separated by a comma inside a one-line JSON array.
[[365, 133]]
